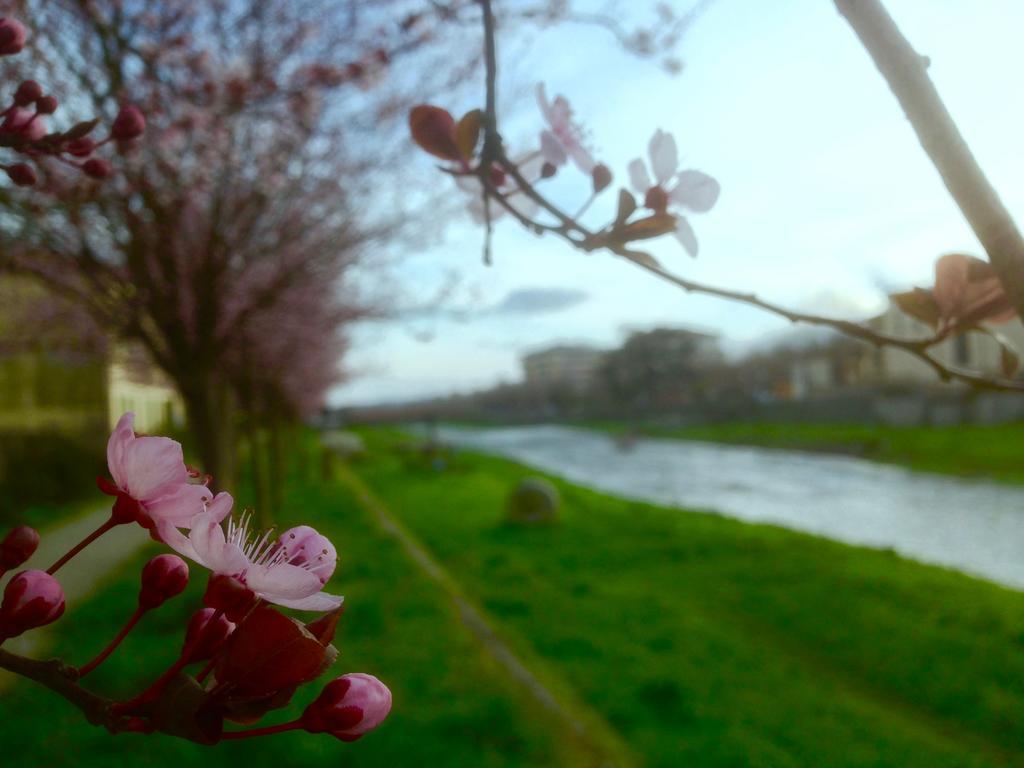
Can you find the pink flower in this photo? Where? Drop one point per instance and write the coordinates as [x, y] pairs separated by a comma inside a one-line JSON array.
[[31, 599], [25, 122], [348, 707], [151, 482], [530, 167], [290, 577], [564, 137], [693, 190], [303, 545]]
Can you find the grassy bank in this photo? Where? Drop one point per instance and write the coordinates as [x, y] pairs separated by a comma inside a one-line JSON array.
[[995, 451], [709, 642], [454, 706]]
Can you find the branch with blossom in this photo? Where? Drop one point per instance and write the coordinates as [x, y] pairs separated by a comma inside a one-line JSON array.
[[967, 296], [249, 658], [23, 128]]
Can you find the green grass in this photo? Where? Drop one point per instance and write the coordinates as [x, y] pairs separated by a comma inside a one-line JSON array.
[[988, 451], [453, 706], [708, 642]]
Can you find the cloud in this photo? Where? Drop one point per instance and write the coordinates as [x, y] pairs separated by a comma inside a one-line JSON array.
[[536, 301]]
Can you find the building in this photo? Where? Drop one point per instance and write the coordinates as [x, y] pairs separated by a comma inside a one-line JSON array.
[[567, 367]]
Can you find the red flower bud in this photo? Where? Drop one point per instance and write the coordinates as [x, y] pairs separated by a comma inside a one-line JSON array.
[[601, 176], [46, 105], [82, 147], [32, 599], [12, 36], [348, 707], [434, 130], [548, 170], [228, 594], [97, 168], [22, 174], [163, 577], [656, 199], [204, 637], [18, 545], [129, 124], [28, 92], [496, 176]]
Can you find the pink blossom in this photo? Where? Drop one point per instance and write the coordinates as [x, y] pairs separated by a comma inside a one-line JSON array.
[[564, 137], [288, 577], [348, 707], [151, 481], [31, 599], [304, 545], [693, 190], [529, 166], [25, 122]]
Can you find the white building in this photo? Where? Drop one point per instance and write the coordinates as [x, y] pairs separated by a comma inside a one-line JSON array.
[[571, 367]]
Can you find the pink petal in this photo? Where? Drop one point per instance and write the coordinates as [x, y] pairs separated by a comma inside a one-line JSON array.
[[212, 549], [664, 157], [289, 582], [150, 464], [221, 506], [696, 190], [583, 159], [120, 438], [172, 537], [180, 504], [684, 234], [544, 104], [321, 601], [552, 150], [638, 177]]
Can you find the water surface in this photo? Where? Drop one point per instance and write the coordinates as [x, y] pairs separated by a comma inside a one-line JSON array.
[[974, 526]]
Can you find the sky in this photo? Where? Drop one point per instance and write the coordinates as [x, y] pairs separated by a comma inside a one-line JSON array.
[[828, 201]]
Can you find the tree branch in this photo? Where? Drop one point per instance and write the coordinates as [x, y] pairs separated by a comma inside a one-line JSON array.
[[906, 73], [60, 679]]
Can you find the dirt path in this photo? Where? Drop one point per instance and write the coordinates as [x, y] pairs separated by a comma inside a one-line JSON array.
[[588, 727], [82, 575]]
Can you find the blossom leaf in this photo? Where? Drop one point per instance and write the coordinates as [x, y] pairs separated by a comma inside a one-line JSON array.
[[650, 226], [627, 204], [467, 132], [183, 709], [920, 304], [79, 130]]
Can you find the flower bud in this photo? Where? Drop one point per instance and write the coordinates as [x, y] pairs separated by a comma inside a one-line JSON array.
[[25, 122], [304, 546], [12, 36], [21, 542], [32, 599], [656, 199], [601, 176], [548, 170], [28, 92], [22, 174], [204, 637], [97, 168], [348, 707], [129, 124], [46, 105], [163, 577], [433, 129], [82, 147], [228, 594]]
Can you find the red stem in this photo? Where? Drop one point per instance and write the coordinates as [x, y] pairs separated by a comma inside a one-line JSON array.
[[266, 730], [85, 670], [206, 670], [82, 545], [161, 682]]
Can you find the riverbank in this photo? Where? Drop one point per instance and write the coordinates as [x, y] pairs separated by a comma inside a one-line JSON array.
[[993, 452], [706, 641]]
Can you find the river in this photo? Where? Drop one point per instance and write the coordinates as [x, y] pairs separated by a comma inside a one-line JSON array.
[[971, 525]]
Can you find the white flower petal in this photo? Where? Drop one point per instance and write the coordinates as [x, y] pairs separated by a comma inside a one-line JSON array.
[[120, 438], [684, 234], [150, 464], [664, 156], [321, 601], [180, 505], [552, 150], [212, 549], [176, 540], [638, 177], [696, 190], [289, 582]]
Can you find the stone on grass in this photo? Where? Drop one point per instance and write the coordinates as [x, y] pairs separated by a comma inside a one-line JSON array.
[[534, 501]]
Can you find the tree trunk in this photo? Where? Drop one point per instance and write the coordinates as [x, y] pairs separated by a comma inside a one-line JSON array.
[[211, 420]]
